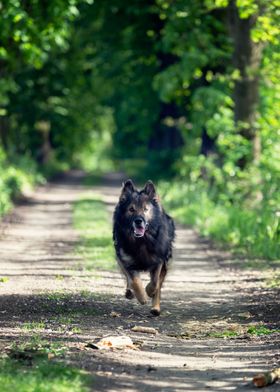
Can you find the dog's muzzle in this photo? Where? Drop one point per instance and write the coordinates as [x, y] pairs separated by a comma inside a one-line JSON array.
[[139, 227]]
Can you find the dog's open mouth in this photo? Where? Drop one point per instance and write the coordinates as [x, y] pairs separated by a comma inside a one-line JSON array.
[[139, 231]]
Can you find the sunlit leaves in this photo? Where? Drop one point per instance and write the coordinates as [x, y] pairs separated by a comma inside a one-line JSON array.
[[35, 29]]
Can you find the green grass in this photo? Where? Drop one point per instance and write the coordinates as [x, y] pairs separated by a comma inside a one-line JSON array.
[[33, 325], [35, 366], [64, 324], [42, 376], [273, 282], [248, 231], [254, 330], [57, 296], [67, 323], [36, 347], [4, 279], [59, 277], [68, 304], [259, 330], [91, 220], [224, 334]]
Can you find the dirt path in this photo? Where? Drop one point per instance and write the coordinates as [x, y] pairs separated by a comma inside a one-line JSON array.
[[201, 298]]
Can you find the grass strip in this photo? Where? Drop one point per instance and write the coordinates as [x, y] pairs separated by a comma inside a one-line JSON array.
[[34, 367], [91, 220]]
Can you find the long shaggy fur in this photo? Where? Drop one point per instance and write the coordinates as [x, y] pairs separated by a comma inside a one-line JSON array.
[[143, 235]]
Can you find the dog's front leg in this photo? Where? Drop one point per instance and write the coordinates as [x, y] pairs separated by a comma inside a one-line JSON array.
[[153, 288], [137, 286], [128, 292]]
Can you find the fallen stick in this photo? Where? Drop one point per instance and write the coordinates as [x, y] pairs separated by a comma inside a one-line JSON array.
[[268, 378], [139, 328]]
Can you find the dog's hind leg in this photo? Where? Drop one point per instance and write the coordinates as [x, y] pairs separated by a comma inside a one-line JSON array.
[[157, 280]]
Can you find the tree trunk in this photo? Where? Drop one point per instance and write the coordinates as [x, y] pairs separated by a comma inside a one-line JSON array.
[[4, 121], [4, 128], [166, 134], [246, 59], [166, 137]]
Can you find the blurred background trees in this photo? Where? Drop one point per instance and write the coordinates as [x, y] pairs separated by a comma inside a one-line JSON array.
[[172, 89]]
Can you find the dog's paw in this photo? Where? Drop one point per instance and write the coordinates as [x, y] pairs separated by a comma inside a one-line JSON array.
[[155, 311], [150, 290], [129, 294]]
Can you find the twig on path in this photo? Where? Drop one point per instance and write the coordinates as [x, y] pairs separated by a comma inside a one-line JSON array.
[[139, 328]]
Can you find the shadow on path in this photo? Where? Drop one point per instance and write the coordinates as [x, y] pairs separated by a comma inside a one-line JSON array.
[[72, 306]]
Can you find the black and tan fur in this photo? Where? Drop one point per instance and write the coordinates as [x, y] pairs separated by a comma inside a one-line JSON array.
[[143, 235]]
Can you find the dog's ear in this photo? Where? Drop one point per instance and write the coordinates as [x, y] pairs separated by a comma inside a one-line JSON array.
[[127, 188], [150, 190]]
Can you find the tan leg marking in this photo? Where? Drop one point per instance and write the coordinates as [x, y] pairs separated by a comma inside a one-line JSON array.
[[150, 289], [154, 282], [138, 289], [159, 275]]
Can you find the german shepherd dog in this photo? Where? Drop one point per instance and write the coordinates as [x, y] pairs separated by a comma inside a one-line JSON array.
[[143, 235]]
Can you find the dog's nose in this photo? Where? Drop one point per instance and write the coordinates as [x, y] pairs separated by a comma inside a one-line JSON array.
[[138, 221]]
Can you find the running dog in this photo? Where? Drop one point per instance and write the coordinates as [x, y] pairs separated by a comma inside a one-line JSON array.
[[143, 235]]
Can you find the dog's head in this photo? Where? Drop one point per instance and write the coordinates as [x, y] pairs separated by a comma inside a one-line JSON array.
[[138, 207]]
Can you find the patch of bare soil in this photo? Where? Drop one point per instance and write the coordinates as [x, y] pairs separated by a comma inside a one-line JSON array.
[[202, 341]]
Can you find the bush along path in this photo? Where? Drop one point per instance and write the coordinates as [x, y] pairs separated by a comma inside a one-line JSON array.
[[61, 293]]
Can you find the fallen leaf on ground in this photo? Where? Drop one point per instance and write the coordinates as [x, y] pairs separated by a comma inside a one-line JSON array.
[[264, 379], [115, 314], [113, 342], [139, 328]]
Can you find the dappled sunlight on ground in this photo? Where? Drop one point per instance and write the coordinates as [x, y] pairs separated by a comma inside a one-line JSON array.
[[47, 284]]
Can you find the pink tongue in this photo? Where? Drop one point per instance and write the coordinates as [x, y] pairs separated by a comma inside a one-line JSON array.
[[139, 230]]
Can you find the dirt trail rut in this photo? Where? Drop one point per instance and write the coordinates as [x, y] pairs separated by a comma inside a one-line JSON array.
[[201, 298]]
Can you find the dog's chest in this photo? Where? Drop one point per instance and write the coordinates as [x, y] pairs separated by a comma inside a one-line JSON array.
[[141, 258]]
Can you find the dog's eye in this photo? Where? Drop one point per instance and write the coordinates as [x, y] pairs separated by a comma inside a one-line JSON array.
[[132, 209], [146, 209]]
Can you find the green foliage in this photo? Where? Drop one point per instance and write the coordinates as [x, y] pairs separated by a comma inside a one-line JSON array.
[[91, 219], [34, 29], [232, 205], [47, 108], [16, 178], [148, 87], [246, 228]]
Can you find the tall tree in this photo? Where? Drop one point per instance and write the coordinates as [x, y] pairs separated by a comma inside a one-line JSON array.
[[247, 56]]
